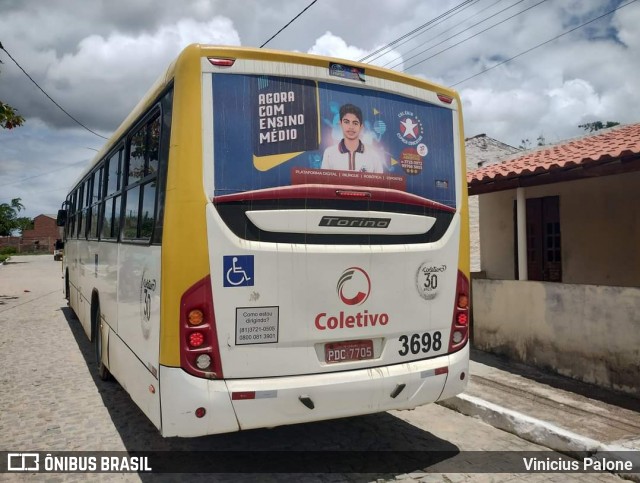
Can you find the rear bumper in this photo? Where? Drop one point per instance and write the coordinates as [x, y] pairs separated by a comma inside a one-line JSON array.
[[277, 400]]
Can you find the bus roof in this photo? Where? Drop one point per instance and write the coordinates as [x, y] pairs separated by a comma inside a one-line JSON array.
[[193, 52]]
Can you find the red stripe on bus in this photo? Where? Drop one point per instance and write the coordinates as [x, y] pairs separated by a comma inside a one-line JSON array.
[[441, 370], [331, 192], [243, 395]]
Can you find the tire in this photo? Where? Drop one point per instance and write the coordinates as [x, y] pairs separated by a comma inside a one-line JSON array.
[[67, 288], [103, 372]]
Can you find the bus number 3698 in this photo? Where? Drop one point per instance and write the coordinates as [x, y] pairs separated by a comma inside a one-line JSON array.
[[416, 343]]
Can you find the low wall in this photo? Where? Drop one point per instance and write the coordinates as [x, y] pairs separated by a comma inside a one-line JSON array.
[[29, 245], [587, 332]]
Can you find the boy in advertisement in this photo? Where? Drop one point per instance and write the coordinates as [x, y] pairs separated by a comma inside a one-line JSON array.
[[351, 154]]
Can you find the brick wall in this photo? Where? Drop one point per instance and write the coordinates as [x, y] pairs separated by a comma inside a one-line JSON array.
[[44, 226], [41, 239]]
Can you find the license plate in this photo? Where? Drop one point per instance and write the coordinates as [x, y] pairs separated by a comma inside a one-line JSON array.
[[352, 350]]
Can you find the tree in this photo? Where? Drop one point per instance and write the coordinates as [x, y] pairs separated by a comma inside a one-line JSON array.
[[597, 125], [9, 117], [9, 216], [24, 223], [526, 144]]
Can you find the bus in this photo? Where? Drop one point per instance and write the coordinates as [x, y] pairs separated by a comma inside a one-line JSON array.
[[273, 238]]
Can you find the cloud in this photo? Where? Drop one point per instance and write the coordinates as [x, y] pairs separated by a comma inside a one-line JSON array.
[[105, 76], [626, 22], [333, 46], [98, 58], [574, 100], [117, 70], [495, 113], [39, 165]]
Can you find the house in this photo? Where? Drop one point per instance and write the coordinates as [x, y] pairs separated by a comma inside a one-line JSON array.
[[481, 150], [560, 231], [43, 236]]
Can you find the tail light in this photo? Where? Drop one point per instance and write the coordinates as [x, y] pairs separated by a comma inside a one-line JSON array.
[[460, 324], [199, 351], [221, 62], [353, 194]]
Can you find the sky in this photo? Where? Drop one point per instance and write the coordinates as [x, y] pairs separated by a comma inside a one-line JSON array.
[[97, 58]]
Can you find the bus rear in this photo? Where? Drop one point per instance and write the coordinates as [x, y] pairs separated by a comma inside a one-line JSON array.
[[336, 241]]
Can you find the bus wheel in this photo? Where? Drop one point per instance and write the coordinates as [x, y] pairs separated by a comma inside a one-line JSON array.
[[66, 287], [103, 372]]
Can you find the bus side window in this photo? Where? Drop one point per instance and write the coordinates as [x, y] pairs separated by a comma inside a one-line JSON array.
[[140, 209], [154, 146], [147, 215], [130, 228], [79, 211], [110, 207], [136, 156], [113, 171]]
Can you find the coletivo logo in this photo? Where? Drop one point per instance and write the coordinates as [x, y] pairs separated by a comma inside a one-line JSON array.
[[349, 321], [354, 286]]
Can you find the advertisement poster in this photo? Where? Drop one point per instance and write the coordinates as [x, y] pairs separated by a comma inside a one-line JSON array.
[[275, 131]]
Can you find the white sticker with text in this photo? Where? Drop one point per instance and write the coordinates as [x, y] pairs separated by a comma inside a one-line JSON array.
[[256, 325]]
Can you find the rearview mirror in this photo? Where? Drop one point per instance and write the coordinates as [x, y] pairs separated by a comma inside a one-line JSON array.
[[62, 218]]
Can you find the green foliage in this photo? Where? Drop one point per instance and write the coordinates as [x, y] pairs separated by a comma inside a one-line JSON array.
[[526, 144], [23, 223], [597, 125], [6, 252], [9, 117], [9, 216]]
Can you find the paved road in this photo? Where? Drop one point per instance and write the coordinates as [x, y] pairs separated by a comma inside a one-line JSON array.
[[52, 400]]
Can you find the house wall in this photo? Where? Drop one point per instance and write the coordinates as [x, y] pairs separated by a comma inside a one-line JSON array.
[[599, 224], [587, 332], [43, 236], [43, 227], [474, 233], [481, 150], [496, 234]]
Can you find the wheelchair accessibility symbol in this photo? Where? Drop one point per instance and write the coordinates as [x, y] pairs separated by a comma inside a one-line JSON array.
[[238, 270]]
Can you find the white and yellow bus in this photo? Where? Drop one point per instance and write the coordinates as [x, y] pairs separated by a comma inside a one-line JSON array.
[[273, 238]]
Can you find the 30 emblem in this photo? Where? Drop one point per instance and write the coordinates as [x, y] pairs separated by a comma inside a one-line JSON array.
[[428, 278]]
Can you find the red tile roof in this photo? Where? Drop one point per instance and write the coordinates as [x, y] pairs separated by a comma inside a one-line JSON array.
[[617, 142]]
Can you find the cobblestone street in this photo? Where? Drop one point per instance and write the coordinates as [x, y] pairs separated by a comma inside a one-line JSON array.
[[52, 400]]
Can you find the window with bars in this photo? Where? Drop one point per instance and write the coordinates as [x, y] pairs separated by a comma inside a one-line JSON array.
[[140, 202], [120, 199]]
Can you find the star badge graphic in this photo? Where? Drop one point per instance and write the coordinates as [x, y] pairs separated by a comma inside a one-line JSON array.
[[409, 128]]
